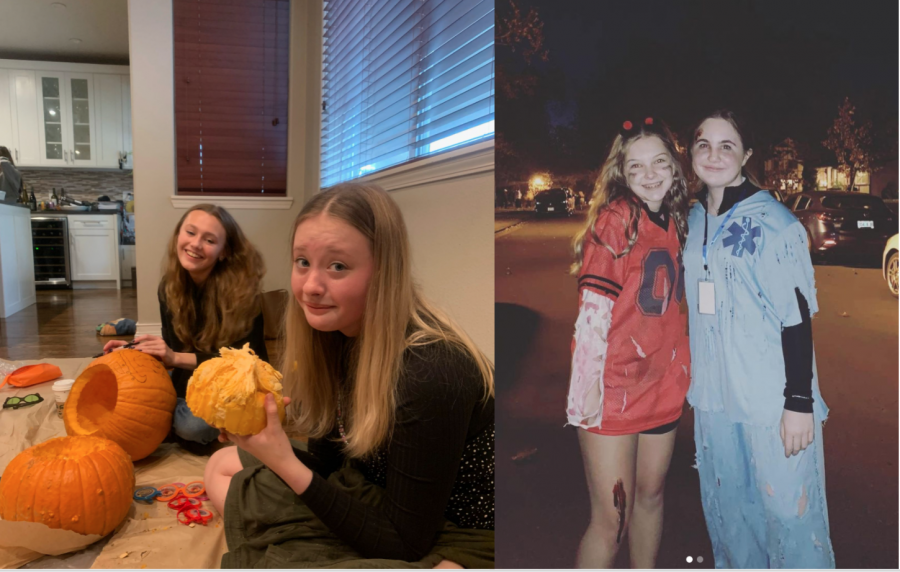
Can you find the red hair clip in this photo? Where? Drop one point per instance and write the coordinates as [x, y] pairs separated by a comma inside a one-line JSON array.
[[648, 121], [627, 126]]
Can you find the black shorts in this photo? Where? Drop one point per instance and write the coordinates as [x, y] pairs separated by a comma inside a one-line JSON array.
[[662, 429]]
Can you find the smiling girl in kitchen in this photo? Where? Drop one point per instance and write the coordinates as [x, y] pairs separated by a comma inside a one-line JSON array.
[[209, 298], [387, 383], [630, 357]]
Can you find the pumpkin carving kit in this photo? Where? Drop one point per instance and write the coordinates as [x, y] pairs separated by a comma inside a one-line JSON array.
[[125, 396], [229, 392]]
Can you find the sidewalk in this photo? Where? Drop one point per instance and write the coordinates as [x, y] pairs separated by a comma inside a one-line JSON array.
[[507, 218]]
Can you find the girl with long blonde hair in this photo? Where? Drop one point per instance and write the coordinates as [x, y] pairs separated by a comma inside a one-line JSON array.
[[630, 355], [209, 298], [384, 381]]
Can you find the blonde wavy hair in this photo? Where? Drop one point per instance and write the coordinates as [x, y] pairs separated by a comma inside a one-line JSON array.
[[612, 185], [396, 317], [231, 299]]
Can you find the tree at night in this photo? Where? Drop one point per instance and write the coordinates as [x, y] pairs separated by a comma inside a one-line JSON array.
[[521, 35], [851, 144], [783, 169]]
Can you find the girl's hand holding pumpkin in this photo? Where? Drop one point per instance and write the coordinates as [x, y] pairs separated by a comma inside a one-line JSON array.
[[271, 445]]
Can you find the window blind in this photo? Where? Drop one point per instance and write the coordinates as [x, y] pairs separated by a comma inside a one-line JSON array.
[[231, 96], [403, 79]]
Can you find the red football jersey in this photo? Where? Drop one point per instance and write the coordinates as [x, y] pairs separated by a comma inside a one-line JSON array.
[[631, 358]]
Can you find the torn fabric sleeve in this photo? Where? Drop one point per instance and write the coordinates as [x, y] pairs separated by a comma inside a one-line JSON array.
[[589, 352]]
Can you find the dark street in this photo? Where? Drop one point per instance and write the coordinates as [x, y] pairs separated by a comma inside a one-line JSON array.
[[542, 499]]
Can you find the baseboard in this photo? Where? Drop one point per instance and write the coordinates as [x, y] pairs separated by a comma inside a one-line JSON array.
[[148, 329], [94, 285], [8, 311]]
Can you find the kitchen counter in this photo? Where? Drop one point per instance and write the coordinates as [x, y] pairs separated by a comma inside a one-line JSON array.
[[76, 213], [16, 260]]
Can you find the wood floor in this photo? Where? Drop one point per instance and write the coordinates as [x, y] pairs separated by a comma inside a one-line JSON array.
[[63, 324]]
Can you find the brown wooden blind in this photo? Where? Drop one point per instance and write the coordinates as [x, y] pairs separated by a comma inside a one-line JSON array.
[[231, 96]]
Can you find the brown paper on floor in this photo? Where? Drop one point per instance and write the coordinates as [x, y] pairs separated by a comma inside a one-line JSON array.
[[184, 547], [42, 539], [151, 536], [15, 557], [27, 426]]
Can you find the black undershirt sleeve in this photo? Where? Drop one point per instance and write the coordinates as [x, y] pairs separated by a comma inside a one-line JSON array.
[[436, 403], [797, 346]]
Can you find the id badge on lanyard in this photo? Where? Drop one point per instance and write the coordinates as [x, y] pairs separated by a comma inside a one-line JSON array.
[[706, 300]]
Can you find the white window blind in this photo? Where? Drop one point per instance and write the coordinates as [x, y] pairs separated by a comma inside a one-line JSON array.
[[403, 79]]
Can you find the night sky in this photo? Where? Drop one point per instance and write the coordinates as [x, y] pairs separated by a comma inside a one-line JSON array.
[[786, 64]]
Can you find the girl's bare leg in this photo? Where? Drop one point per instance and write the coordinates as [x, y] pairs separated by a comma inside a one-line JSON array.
[[653, 456], [609, 465], [222, 465]]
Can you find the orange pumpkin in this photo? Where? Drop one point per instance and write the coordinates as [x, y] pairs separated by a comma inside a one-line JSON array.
[[229, 392], [83, 484], [125, 396]]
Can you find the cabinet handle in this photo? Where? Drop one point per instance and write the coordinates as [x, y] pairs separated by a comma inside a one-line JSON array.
[[65, 156], [17, 154]]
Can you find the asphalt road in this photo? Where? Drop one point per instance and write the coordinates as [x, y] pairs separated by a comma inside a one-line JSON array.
[[542, 502]]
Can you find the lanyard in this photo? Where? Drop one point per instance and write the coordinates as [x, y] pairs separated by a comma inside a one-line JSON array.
[[718, 232]]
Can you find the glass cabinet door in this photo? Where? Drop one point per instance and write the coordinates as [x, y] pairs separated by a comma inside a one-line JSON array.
[[82, 120], [51, 99]]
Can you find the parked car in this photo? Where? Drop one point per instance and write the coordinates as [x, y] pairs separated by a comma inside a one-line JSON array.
[[889, 263], [838, 221], [889, 196], [555, 202]]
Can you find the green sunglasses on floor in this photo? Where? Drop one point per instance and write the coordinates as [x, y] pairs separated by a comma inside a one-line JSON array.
[[17, 402]]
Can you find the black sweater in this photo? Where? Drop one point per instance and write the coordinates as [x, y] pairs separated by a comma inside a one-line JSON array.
[[438, 465], [181, 376]]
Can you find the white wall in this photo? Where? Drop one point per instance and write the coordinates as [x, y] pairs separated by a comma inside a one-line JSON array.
[[450, 220]]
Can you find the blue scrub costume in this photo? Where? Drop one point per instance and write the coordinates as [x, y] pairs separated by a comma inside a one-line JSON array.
[[762, 510]]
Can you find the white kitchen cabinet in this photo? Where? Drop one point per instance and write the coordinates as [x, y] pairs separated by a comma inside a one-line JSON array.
[[57, 114], [25, 145], [94, 248], [113, 105], [67, 113], [5, 112], [126, 121], [17, 289]]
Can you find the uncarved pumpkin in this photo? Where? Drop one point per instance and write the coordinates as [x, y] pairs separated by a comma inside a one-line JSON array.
[[229, 392], [125, 396], [83, 484]]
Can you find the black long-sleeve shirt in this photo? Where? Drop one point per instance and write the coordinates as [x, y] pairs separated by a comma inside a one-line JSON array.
[[180, 376], [439, 462]]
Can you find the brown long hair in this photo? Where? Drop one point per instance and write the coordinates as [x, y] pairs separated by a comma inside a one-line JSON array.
[[612, 185], [231, 298], [396, 317]]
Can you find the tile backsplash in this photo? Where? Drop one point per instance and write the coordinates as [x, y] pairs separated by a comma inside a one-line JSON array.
[[81, 185]]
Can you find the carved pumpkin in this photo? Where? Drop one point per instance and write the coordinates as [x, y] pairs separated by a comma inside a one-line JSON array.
[[229, 392], [83, 484], [125, 396]]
